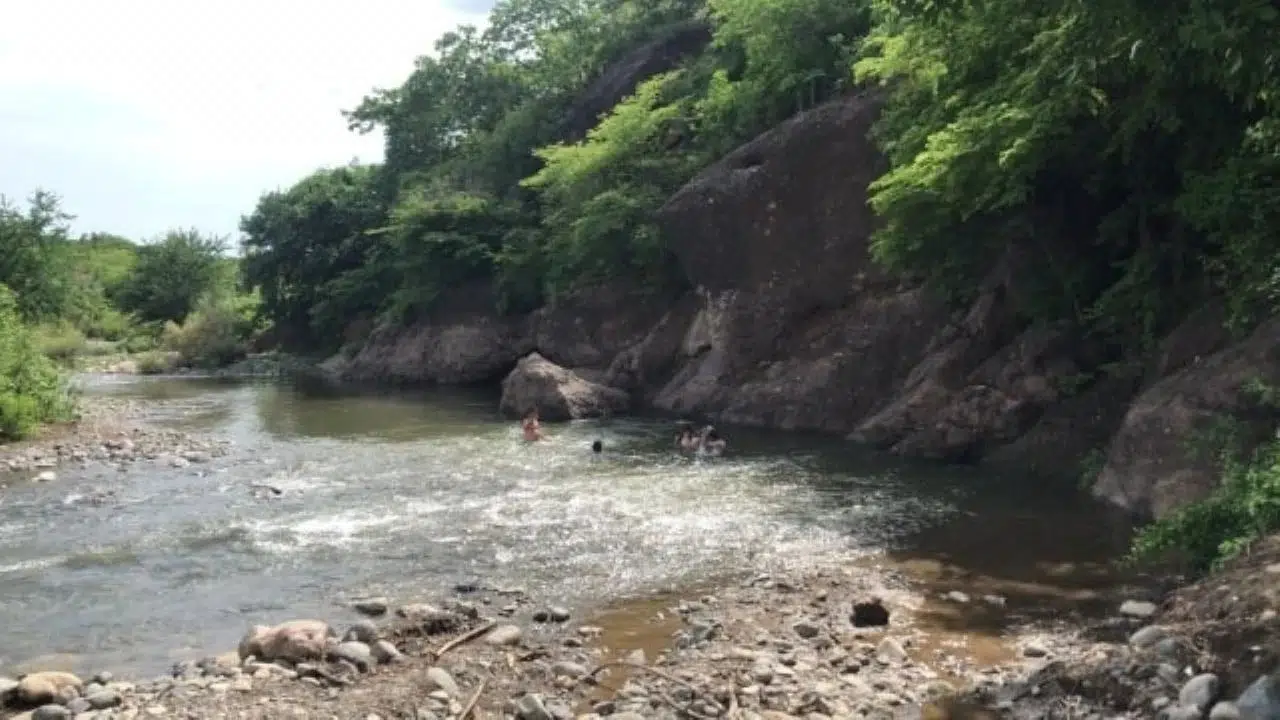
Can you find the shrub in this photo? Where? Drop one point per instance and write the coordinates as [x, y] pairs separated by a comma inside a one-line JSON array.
[[61, 342], [32, 390], [155, 362], [212, 336]]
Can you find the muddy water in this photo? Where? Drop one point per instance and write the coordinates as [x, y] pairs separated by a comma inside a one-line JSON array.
[[409, 494]]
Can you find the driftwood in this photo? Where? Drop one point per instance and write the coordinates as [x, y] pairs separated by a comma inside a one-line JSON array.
[[462, 639], [475, 698]]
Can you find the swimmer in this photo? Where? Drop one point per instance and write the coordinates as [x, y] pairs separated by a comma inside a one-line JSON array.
[[687, 439], [711, 442], [597, 447], [530, 427]]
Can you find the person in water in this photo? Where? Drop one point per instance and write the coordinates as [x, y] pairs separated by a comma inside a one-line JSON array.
[[597, 447], [711, 443], [687, 440], [532, 430]]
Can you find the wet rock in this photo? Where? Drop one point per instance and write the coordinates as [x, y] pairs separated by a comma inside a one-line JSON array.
[[504, 635], [372, 607], [1138, 608], [43, 688], [438, 678], [1226, 711], [51, 712], [558, 614], [8, 689], [1200, 691], [1148, 636], [1034, 651], [46, 476], [364, 631], [385, 652], [870, 613], [806, 629], [1261, 699], [957, 596], [356, 653]]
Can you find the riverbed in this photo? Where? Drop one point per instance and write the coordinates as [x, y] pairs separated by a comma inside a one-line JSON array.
[[329, 496]]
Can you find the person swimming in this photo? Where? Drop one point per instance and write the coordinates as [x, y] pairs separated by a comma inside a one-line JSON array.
[[530, 427], [686, 439], [597, 447], [711, 443]]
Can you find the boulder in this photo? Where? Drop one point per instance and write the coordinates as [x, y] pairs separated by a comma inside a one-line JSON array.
[[41, 688], [557, 393], [295, 641], [1154, 465]]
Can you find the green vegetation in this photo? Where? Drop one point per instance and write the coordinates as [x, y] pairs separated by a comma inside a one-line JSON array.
[[64, 300]]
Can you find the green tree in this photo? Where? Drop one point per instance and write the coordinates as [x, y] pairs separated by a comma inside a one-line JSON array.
[[33, 257], [172, 275], [32, 390]]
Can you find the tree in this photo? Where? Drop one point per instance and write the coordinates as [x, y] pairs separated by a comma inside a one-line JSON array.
[[172, 275], [33, 258]]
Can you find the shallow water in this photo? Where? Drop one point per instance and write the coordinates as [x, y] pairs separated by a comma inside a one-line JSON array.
[[407, 495]]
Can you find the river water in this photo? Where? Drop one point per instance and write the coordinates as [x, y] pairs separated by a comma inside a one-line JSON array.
[[409, 494]]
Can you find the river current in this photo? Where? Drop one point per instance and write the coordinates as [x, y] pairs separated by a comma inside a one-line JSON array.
[[409, 494]]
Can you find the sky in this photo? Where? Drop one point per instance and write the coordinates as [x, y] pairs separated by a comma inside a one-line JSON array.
[[146, 115]]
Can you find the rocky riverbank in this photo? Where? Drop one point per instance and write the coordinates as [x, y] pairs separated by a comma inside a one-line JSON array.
[[842, 641], [110, 431]]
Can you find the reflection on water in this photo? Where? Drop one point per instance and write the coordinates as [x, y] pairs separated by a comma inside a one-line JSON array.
[[406, 494]]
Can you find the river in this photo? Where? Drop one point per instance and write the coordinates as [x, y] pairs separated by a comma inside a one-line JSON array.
[[408, 494]]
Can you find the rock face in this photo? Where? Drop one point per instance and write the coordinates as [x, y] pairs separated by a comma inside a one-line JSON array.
[[1153, 465], [557, 393]]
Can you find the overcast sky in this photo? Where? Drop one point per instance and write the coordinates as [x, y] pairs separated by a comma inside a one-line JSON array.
[[149, 114]]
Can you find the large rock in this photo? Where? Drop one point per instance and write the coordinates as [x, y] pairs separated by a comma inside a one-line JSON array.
[[48, 687], [295, 641], [557, 393], [1153, 466]]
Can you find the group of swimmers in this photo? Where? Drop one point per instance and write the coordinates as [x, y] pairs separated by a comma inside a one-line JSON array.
[[706, 442]]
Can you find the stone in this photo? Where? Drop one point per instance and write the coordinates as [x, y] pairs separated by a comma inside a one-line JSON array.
[[356, 653], [1148, 636], [1200, 691], [1181, 712], [104, 678], [51, 712], [42, 688], [8, 688], [46, 476], [806, 629], [557, 393], [373, 607], [564, 668], [385, 652], [957, 596], [1034, 651], [1261, 699], [295, 641], [103, 699], [870, 613], [364, 631], [531, 707], [504, 635], [438, 678], [762, 673], [1138, 608], [1225, 711], [79, 706], [558, 614], [890, 651]]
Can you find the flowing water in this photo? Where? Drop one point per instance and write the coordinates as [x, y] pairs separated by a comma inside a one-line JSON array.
[[409, 494]]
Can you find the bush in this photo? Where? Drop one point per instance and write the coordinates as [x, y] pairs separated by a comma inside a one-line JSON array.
[[1245, 508], [155, 362], [212, 336], [62, 342], [32, 390]]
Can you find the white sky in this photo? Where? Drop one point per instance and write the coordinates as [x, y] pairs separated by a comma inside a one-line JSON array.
[[149, 114]]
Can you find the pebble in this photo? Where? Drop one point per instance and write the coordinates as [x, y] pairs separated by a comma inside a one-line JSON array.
[[1034, 651], [1225, 711], [1261, 699], [957, 596], [564, 668], [1148, 636], [1199, 692], [439, 679], [385, 652], [806, 629], [364, 631], [1138, 608], [356, 653], [51, 712], [504, 635], [373, 607], [890, 651], [103, 699]]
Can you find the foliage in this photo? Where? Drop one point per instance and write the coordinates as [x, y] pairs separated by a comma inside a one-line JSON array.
[[62, 342], [33, 258], [32, 391], [172, 275], [1129, 145]]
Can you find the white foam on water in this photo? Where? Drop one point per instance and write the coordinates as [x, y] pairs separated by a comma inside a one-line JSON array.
[[34, 564]]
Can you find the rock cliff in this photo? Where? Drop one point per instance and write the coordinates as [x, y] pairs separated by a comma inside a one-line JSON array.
[[791, 325]]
